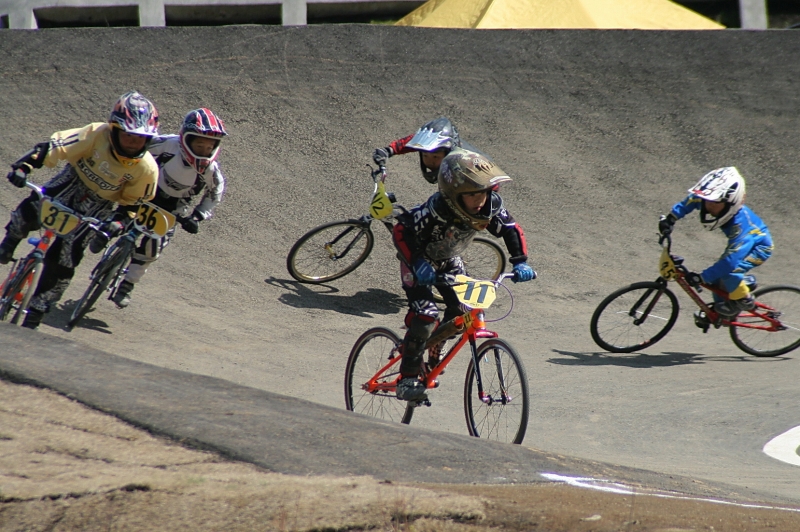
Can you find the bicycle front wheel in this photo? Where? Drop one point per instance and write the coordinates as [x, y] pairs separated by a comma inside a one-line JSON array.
[[757, 336], [634, 317], [16, 287], [497, 408], [106, 272], [330, 251], [369, 391], [32, 281]]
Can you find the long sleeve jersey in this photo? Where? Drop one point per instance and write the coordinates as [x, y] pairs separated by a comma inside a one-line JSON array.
[[745, 231], [88, 150], [179, 183], [432, 231]]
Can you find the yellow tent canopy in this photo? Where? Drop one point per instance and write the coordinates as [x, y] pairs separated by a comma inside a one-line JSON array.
[[557, 14]]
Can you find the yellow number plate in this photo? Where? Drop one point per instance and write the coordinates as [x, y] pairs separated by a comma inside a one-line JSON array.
[[58, 220], [381, 207], [666, 266], [152, 220], [473, 293]]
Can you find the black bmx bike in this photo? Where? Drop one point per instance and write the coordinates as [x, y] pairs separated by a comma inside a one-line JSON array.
[[150, 221]]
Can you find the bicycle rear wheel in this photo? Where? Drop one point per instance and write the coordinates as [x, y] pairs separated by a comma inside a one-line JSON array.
[[106, 272], [371, 352], [500, 412], [634, 317], [754, 338], [330, 251], [484, 259]]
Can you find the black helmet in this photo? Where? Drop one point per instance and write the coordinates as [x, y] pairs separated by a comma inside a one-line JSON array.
[[435, 135]]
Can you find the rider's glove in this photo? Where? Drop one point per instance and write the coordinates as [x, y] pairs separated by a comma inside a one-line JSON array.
[[523, 272], [694, 279], [108, 230], [380, 155], [19, 175], [424, 272], [26, 164], [189, 224], [666, 223]]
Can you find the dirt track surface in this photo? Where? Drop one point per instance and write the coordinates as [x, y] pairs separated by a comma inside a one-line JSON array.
[[602, 131]]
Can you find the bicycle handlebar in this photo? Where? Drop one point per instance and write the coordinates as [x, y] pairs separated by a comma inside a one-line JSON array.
[[93, 222]]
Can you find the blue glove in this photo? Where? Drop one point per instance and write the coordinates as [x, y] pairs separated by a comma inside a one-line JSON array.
[[424, 272], [523, 272]]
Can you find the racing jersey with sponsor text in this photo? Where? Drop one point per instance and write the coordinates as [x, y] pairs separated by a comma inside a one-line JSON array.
[[88, 151], [432, 230], [745, 231], [179, 182]]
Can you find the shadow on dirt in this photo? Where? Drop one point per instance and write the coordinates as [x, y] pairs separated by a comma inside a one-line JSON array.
[[362, 304], [60, 316], [641, 360]]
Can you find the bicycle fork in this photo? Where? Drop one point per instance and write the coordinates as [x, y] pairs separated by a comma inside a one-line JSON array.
[[643, 315], [329, 245], [486, 398]]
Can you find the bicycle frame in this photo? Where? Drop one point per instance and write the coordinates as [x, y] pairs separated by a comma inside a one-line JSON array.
[[472, 326], [672, 269], [52, 227]]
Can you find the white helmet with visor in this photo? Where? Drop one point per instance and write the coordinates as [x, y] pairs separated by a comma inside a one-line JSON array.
[[725, 185]]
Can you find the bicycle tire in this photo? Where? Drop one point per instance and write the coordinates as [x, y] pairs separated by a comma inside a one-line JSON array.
[[762, 343], [613, 327], [503, 416], [22, 309], [309, 261], [108, 269], [371, 352], [13, 286], [487, 260]]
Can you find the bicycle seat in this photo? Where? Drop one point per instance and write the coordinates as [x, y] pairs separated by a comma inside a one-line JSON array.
[[677, 260]]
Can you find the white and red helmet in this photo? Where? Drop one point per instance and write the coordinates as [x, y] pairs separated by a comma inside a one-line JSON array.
[[721, 185], [201, 123]]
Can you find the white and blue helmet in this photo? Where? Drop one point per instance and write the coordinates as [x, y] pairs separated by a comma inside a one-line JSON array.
[[720, 185]]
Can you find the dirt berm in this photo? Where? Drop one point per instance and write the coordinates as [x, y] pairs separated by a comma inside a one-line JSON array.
[[235, 371]]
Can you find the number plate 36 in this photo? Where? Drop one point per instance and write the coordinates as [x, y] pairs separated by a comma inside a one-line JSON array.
[[152, 220]]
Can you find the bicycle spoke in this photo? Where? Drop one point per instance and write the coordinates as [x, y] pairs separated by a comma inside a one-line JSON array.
[[329, 252], [372, 352], [760, 337], [499, 409], [622, 322]]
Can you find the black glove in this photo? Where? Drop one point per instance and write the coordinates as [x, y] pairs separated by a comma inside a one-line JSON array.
[[25, 165], [108, 230], [190, 224], [19, 175], [380, 155], [666, 223], [694, 279]]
